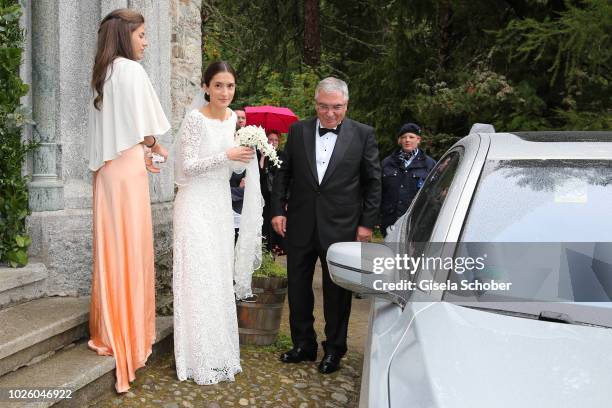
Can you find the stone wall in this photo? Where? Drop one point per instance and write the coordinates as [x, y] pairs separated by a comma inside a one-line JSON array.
[[186, 64], [186, 56], [60, 50]]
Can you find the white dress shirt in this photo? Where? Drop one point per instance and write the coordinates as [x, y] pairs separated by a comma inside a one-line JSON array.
[[324, 149]]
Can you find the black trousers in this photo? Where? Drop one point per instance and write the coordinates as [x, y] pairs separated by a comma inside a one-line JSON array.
[[301, 263]]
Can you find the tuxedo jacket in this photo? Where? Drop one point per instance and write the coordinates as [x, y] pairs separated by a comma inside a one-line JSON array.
[[349, 194]]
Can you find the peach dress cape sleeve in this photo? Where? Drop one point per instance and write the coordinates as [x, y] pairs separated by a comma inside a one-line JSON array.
[[130, 111]]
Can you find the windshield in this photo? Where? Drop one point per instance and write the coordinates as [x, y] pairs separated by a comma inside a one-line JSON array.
[[542, 201], [545, 226]]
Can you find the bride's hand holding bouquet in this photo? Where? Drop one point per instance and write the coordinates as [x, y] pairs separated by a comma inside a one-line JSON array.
[[255, 137], [240, 153]]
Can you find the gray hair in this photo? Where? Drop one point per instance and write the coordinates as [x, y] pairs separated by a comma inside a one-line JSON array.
[[331, 84]]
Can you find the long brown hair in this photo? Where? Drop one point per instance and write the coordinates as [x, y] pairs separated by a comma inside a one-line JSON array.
[[114, 40]]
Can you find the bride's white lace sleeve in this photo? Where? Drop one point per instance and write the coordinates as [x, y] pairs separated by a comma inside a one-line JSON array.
[[237, 167], [191, 139]]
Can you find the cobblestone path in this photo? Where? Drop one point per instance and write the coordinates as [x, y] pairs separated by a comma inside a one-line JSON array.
[[265, 381]]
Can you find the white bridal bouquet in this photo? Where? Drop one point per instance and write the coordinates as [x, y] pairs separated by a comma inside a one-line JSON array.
[[255, 136]]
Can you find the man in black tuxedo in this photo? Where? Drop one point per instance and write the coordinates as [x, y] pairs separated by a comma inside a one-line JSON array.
[[331, 166]]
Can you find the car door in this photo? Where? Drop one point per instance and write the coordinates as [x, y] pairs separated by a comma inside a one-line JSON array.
[[428, 217], [424, 231], [445, 195]]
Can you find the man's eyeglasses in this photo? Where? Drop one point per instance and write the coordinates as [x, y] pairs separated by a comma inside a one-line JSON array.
[[335, 108]]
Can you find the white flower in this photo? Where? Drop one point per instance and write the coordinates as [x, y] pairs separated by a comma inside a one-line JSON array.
[[255, 136]]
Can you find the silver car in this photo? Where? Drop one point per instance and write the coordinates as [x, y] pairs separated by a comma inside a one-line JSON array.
[[541, 205]]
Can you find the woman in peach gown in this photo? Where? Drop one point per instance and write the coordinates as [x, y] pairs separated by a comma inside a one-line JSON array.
[[123, 117]]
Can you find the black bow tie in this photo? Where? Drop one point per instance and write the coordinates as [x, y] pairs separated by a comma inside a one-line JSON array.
[[323, 131]]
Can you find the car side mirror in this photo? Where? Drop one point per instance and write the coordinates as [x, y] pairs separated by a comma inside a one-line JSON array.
[[361, 268]]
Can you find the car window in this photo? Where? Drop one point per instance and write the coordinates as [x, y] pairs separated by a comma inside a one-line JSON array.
[[424, 212], [541, 201]]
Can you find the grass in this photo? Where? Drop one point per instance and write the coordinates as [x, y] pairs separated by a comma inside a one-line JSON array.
[[283, 343]]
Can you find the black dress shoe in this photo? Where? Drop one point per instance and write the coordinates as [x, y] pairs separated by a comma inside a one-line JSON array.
[[297, 355], [330, 363]]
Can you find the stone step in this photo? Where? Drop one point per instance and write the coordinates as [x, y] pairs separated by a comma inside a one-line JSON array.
[[35, 330], [21, 284], [78, 369]]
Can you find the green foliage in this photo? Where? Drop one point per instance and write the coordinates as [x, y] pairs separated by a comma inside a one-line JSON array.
[[14, 240], [296, 93], [576, 41], [260, 40], [437, 144], [574, 48], [269, 267], [574, 119], [520, 65], [283, 343], [480, 95]]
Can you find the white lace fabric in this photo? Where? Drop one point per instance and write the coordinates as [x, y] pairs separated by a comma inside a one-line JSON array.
[[248, 246], [205, 323], [194, 146]]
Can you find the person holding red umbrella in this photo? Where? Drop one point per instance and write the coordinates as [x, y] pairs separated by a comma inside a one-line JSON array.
[[275, 120], [267, 172]]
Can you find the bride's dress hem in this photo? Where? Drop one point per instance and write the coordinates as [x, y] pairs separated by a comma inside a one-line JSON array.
[[226, 374]]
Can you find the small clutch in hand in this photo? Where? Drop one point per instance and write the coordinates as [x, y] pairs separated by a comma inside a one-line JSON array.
[[158, 160]]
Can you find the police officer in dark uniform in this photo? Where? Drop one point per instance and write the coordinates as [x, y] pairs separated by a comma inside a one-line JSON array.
[[404, 172]]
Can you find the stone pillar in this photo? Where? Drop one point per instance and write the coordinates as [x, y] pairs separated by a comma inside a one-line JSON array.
[[156, 63], [46, 189], [76, 26], [26, 72]]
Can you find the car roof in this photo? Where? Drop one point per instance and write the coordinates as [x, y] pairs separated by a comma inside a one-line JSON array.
[[549, 145]]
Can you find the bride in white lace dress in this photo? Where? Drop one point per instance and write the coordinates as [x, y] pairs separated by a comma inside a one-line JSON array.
[[205, 324]]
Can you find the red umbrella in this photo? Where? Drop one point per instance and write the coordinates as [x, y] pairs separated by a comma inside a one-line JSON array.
[[270, 117]]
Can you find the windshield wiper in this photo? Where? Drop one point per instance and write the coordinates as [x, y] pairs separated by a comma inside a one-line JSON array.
[[544, 315]]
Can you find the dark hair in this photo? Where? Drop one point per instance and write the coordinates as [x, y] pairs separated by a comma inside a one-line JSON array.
[[213, 69], [273, 131], [114, 40]]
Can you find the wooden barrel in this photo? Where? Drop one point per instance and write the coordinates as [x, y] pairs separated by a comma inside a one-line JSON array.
[[259, 322]]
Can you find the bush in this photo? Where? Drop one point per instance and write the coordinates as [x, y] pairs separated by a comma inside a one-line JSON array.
[[296, 92], [447, 111], [14, 209], [269, 267]]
